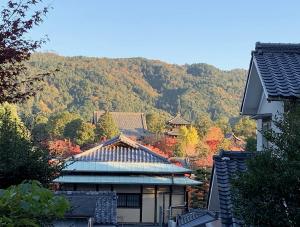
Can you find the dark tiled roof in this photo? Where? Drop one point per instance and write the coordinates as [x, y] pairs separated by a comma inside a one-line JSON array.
[[120, 149], [227, 164], [196, 217], [100, 205], [129, 123], [279, 67], [178, 120]]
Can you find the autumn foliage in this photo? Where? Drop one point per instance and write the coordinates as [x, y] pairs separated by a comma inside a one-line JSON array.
[[63, 148]]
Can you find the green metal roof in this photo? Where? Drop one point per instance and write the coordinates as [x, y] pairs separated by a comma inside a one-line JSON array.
[[125, 167], [144, 180]]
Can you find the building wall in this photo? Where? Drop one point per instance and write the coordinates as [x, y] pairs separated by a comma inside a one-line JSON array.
[[213, 200], [128, 215], [152, 199], [276, 108]]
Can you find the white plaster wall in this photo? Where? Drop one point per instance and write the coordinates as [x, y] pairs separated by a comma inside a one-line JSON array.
[[273, 107], [276, 108], [148, 208], [259, 137], [127, 215]]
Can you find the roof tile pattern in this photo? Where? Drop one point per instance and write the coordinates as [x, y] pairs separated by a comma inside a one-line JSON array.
[[129, 123], [227, 164], [178, 120], [101, 205], [121, 154], [279, 67], [196, 217], [121, 149]]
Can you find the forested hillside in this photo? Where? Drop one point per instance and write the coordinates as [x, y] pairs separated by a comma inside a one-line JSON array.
[[85, 84]]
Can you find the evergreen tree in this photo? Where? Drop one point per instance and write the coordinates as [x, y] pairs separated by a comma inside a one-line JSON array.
[[203, 123], [106, 126], [267, 194], [19, 158], [223, 123], [155, 123], [85, 133], [57, 124], [245, 127]]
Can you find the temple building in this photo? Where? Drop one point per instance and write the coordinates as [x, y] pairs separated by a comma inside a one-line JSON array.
[[174, 124], [130, 124], [149, 188]]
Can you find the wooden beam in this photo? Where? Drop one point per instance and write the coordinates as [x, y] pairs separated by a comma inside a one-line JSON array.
[[155, 204], [141, 204]]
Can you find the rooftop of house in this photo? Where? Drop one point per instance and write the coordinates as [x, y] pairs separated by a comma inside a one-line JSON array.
[[101, 206], [129, 123], [226, 165], [178, 120], [123, 161], [121, 149], [196, 217]]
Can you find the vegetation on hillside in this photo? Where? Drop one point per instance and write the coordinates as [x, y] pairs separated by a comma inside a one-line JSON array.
[[86, 84]]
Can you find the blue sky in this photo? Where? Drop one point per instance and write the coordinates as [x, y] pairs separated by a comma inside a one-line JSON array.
[[217, 32]]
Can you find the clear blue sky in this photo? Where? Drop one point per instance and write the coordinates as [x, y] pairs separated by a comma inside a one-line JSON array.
[[218, 32]]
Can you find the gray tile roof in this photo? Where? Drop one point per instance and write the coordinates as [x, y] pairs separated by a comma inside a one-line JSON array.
[[226, 165], [196, 217], [178, 120], [100, 205], [129, 123], [279, 67], [121, 149]]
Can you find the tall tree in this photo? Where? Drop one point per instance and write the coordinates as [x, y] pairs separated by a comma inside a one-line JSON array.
[[188, 139], [267, 194], [223, 123], [16, 20], [245, 127], [20, 159], [106, 126], [85, 133], [57, 124], [155, 123], [203, 123]]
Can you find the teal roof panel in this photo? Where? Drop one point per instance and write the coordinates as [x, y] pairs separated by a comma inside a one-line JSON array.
[[114, 167], [140, 180]]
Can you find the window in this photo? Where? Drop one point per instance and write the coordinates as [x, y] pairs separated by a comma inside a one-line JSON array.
[[129, 200], [266, 126]]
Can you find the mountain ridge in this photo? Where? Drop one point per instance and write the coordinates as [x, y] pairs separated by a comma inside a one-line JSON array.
[[85, 84]]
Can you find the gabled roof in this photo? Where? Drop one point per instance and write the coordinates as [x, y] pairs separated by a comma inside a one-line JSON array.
[[120, 149], [84, 204], [226, 165], [178, 120], [277, 66], [129, 123]]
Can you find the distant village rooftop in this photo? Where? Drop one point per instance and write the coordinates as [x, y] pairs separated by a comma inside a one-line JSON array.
[[131, 124], [178, 120]]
